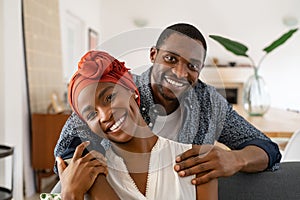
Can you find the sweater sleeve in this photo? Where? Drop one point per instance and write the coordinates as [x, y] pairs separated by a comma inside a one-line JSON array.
[[74, 132], [238, 133]]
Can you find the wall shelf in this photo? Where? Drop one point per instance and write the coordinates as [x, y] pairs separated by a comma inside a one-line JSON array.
[[6, 151]]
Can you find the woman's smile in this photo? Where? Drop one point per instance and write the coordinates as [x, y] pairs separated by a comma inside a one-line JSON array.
[[117, 125]]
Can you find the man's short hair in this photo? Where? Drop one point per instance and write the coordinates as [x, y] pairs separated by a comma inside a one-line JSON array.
[[183, 28]]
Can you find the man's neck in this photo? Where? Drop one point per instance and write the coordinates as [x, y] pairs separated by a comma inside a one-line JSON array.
[[168, 106]]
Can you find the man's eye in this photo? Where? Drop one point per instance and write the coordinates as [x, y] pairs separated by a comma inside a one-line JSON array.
[[194, 67], [169, 58], [91, 115]]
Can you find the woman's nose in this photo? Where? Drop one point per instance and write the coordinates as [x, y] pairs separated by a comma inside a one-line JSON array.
[[104, 114]]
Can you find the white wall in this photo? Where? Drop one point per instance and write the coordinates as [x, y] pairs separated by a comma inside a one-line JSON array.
[[1, 91], [79, 16], [14, 98], [256, 23], [1, 74]]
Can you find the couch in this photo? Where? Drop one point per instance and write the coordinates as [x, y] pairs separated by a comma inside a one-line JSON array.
[[282, 184]]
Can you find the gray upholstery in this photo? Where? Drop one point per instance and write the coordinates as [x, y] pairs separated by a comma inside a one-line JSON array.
[[281, 184]]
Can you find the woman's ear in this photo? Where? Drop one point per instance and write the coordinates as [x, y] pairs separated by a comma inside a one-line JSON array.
[[153, 53], [136, 96]]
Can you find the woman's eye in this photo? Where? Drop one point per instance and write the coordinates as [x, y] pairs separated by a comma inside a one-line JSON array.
[[91, 115], [110, 97], [169, 58]]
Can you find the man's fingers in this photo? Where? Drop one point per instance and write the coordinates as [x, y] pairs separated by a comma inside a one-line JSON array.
[[205, 177], [79, 149], [189, 153], [193, 167], [61, 166], [196, 161], [196, 150]]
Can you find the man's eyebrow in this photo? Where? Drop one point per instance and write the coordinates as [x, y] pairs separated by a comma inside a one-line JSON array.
[[193, 61], [171, 52]]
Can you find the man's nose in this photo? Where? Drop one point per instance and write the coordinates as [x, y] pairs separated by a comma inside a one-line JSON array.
[[180, 70]]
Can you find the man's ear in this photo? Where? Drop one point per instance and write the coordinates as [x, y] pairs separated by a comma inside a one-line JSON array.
[[153, 53]]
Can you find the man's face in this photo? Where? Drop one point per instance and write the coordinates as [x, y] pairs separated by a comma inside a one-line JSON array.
[[176, 66]]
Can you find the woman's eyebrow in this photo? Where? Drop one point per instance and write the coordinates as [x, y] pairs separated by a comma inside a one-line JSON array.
[[86, 109], [104, 91]]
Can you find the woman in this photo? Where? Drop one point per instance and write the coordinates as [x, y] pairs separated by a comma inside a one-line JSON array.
[[140, 164]]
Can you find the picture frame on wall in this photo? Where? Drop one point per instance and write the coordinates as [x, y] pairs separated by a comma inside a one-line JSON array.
[[93, 39]]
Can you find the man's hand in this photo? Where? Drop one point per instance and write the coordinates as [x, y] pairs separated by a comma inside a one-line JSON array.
[[78, 177], [209, 162]]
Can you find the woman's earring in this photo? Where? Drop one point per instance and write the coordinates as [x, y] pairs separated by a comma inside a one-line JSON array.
[[136, 96]]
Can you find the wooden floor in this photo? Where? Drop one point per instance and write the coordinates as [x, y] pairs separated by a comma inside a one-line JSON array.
[[47, 185]]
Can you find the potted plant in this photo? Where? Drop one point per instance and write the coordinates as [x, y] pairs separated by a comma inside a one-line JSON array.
[[256, 99]]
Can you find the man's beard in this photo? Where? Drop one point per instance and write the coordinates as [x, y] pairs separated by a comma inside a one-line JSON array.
[[164, 95]]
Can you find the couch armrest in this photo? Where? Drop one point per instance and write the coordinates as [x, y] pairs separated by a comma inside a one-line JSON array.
[[283, 183]]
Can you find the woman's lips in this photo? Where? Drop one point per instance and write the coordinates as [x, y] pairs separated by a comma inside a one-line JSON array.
[[117, 125]]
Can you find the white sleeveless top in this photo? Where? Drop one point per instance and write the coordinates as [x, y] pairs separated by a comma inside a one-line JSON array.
[[162, 182]]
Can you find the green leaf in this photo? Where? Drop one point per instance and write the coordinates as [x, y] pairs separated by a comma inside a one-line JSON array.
[[280, 41], [232, 46]]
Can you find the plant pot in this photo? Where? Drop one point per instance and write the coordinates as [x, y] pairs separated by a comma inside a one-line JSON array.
[[256, 98]]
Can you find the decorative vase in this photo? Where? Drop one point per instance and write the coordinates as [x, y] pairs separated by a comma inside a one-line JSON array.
[[256, 98]]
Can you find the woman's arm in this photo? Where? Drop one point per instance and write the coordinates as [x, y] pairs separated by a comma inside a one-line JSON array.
[[101, 190], [79, 176], [207, 191]]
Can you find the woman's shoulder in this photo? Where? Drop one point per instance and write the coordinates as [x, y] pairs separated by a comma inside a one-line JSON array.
[[176, 146]]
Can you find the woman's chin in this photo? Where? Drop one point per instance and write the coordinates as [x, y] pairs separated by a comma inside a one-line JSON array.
[[119, 137]]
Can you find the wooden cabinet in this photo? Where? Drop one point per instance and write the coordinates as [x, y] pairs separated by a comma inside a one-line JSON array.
[[46, 129]]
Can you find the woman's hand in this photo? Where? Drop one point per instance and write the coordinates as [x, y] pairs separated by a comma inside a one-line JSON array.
[[78, 177]]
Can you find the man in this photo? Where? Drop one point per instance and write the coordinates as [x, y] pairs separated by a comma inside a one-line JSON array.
[[177, 105]]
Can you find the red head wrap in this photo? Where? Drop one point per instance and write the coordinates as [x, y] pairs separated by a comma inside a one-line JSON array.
[[99, 66]]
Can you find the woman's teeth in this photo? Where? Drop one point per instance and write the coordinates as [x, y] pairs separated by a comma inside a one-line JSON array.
[[117, 124]]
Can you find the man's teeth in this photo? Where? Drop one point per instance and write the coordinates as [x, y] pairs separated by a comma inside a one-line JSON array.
[[174, 83], [117, 124]]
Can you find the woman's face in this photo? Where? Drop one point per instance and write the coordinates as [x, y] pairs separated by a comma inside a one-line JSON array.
[[110, 111]]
